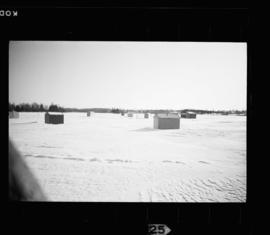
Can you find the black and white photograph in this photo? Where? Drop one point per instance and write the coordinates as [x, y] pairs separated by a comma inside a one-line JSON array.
[[129, 121]]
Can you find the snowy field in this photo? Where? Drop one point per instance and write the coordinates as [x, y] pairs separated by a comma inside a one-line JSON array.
[[113, 158]]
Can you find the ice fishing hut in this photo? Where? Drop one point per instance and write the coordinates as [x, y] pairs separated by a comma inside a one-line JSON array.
[[188, 115], [88, 113], [54, 118], [146, 115], [13, 114], [167, 121]]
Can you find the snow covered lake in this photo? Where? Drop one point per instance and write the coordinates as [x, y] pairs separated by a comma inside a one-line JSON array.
[[114, 158]]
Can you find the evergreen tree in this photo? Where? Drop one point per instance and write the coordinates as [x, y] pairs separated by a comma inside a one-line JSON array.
[[34, 107], [41, 108], [11, 107]]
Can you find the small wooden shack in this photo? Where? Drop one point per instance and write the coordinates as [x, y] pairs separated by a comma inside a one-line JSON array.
[[13, 114], [122, 114], [188, 115], [54, 118], [88, 113], [167, 121], [146, 115]]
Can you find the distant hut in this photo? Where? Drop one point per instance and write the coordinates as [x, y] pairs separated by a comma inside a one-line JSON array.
[[88, 113], [188, 115], [122, 114], [13, 114], [167, 121], [146, 115], [54, 118], [130, 114]]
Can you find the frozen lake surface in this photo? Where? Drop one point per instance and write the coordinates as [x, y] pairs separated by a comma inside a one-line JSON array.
[[113, 158]]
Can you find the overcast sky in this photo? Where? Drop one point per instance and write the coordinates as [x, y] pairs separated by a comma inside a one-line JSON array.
[[132, 75]]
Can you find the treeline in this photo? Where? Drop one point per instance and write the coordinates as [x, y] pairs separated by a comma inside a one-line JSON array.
[[222, 112], [115, 110], [197, 111], [35, 107]]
